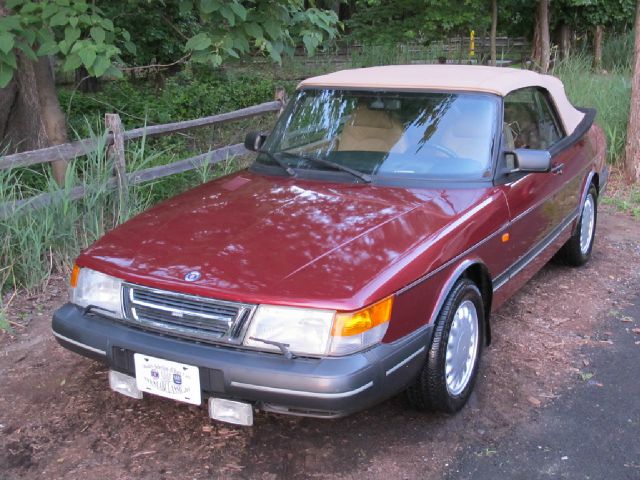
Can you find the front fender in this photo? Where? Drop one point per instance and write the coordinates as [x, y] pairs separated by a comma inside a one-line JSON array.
[[420, 302]]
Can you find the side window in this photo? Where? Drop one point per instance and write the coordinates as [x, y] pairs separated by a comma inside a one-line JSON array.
[[529, 121], [548, 125]]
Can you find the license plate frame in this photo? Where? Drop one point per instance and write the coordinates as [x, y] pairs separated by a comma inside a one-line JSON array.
[[165, 378]]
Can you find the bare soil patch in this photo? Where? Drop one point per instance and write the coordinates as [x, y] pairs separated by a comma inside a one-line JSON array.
[[58, 417]]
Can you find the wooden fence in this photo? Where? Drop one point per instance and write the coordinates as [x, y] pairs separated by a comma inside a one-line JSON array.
[[114, 143], [452, 48]]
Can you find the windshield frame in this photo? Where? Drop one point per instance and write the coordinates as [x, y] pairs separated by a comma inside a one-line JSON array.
[[387, 179]]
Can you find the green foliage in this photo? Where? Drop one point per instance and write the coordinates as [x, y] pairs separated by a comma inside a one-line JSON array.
[[77, 31], [271, 28], [583, 15], [387, 22], [162, 39], [82, 34], [182, 97]]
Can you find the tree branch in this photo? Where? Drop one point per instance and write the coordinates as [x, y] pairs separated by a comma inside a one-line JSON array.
[[177, 30], [157, 65]]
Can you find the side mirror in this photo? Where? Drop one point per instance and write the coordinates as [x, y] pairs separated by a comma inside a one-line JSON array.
[[254, 140], [526, 160]]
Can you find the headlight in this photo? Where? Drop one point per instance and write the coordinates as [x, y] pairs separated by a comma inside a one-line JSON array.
[[101, 291], [303, 330], [313, 332]]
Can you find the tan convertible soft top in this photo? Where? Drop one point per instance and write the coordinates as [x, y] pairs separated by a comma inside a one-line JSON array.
[[497, 80]]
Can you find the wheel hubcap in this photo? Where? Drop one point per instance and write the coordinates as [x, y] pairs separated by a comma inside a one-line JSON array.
[[587, 224], [462, 347]]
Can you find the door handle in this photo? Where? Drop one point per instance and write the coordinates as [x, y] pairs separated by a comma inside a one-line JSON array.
[[557, 169]]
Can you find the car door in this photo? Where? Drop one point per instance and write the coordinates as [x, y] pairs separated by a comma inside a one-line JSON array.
[[539, 203]]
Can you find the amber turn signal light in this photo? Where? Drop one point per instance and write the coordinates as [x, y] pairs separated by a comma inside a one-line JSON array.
[[73, 281], [353, 323]]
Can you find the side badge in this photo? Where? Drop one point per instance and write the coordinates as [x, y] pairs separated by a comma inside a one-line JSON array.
[[192, 276]]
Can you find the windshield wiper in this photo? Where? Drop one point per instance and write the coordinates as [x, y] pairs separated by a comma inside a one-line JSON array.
[[280, 163], [336, 166], [284, 347]]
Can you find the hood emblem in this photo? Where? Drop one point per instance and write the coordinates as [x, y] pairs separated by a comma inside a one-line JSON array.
[[192, 276]]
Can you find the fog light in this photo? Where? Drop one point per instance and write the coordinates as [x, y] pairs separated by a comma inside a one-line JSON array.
[[124, 384], [238, 413]]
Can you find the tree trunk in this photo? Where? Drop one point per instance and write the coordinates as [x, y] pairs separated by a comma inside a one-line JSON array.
[[565, 41], [544, 49], [30, 114], [535, 43], [494, 29], [597, 47], [632, 148]]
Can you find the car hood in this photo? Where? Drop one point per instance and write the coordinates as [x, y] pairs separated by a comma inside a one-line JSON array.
[[273, 239]]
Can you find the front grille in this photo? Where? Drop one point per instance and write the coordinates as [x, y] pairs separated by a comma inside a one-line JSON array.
[[186, 316]]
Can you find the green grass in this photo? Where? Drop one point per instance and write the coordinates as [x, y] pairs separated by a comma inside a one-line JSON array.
[[37, 242], [624, 198], [4, 323], [609, 93], [617, 52], [187, 95]]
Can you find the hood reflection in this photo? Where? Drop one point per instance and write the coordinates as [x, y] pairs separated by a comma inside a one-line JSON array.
[[276, 236]]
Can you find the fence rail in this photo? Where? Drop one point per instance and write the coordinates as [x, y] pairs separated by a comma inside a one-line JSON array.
[[114, 143]]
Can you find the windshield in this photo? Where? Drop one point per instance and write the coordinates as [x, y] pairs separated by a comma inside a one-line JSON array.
[[393, 134]]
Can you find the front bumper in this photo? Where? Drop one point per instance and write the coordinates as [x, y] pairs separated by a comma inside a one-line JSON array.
[[322, 387]]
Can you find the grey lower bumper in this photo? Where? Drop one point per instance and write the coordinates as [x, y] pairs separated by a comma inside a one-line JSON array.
[[326, 387]]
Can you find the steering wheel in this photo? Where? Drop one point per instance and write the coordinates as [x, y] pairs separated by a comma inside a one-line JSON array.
[[422, 167], [447, 151]]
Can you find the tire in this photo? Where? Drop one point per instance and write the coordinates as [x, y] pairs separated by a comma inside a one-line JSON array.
[[432, 390], [577, 251]]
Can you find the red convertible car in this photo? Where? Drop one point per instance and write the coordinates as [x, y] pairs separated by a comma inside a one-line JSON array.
[[387, 214]]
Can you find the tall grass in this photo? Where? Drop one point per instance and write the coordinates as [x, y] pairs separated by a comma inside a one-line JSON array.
[[609, 93], [36, 242], [617, 52]]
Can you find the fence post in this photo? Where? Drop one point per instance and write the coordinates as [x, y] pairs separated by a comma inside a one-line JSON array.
[[281, 96], [115, 151]]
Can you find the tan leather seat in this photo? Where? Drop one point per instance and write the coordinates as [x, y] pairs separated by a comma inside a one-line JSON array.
[[467, 134], [370, 131]]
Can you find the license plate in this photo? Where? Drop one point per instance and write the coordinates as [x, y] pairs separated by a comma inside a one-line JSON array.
[[168, 379]]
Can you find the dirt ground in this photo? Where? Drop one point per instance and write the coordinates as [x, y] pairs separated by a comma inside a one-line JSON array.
[[58, 417]]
